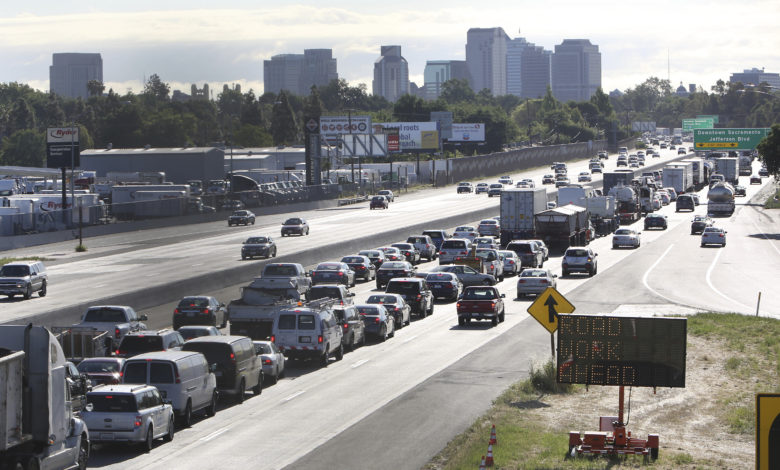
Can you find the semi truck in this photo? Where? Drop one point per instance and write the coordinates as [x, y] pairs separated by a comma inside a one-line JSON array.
[[745, 165], [614, 178], [563, 227], [678, 176], [697, 172], [518, 206], [720, 199], [728, 167], [628, 208], [602, 210], [38, 428]]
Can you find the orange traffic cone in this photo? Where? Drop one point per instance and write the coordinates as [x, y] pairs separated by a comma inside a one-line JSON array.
[[489, 458], [482, 465], [493, 439]]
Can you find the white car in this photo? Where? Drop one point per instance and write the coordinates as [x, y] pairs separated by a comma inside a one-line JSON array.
[[511, 262], [626, 237], [273, 360], [505, 180], [584, 177], [495, 189], [535, 281], [713, 236]]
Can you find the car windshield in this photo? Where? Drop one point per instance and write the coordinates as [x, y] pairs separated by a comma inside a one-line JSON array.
[[403, 287], [489, 222], [197, 302], [262, 348], [112, 403], [577, 253], [279, 270], [321, 292], [382, 299], [257, 240], [479, 294], [520, 247], [370, 254], [434, 277], [392, 265], [417, 240], [353, 259], [454, 244], [623, 231], [132, 345], [533, 273], [328, 267], [105, 315], [711, 230], [403, 246], [434, 235], [496, 185], [98, 367], [367, 310], [293, 222], [188, 332], [378, 198]]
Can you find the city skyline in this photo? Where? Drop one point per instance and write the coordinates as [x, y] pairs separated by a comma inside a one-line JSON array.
[[189, 42]]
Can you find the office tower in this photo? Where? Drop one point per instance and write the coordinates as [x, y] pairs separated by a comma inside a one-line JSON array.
[[391, 74], [297, 73], [486, 50], [576, 70], [528, 69], [755, 77], [439, 71], [70, 72]]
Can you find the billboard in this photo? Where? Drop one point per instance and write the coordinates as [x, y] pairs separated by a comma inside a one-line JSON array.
[[444, 118], [62, 147], [412, 135], [468, 132], [643, 126], [336, 125]]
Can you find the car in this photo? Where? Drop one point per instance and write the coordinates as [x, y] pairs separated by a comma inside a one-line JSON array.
[[579, 260], [465, 187], [763, 172], [258, 246], [548, 179], [453, 248], [102, 370], [354, 330], [415, 291], [337, 292], [333, 272], [552, 204], [470, 235], [481, 188], [425, 246], [199, 310], [362, 265], [23, 278], [237, 366], [468, 276], [691, 149], [378, 322], [485, 242], [377, 257], [656, 221], [584, 177], [511, 262], [681, 151], [562, 182], [295, 225], [522, 184], [480, 303], [272, 359], [232, 205], [411, 252], [633, 164], [387, 194], [144, 341], [530, 253], [242, 217], [128, 413], [392, 253], [663, 145], [196, 331], [395, 305], [672, 147], [672, 194], [393, 269], [699, 223], [378, 202], [495, 189], [437, 237], [713, 236], [685, 201], [626, 237], [444, 285], [621, 162], [665, 198], [595, 168], [695, 197], [603, 155], [755, 179], [489, 227], [739, 190], [505, 180], [492, 262], [534, 281]]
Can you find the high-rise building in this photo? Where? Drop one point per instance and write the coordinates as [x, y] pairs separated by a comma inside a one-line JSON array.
[[576, 70], [756, 76], [391, 74], [70, 72], [439, 71], [486, 50], [528, 69], [296, 73]]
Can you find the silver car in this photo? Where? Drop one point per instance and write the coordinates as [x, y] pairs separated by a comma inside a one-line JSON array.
[[626, 237], [272, 359], [511, 262], [713, 236], [579, 260], [489, 227], [533, 281]]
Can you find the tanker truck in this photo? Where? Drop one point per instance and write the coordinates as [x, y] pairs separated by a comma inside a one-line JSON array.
[[628, 207], [720, 199]]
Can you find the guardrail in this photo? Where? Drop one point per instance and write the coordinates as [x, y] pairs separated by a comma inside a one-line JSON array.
[[352, 200]]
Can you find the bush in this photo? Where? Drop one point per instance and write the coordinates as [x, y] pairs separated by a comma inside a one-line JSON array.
[[81, 248], [543, 379]]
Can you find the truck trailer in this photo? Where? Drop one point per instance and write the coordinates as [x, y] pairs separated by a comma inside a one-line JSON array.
[[563, 227], [518, 206]]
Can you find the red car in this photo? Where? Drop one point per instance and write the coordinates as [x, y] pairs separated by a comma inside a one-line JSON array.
[[480, 303]]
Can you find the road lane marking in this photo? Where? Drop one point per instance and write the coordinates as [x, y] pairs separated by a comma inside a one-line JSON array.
[[712, 286], [761, 232], [359, 363], [197, 264], [647, 274], [296, 394], [409, 339], [214, 434]]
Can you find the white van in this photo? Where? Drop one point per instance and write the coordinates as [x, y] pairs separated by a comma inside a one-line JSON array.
[[309, 332], [453, 248], [183, 377]]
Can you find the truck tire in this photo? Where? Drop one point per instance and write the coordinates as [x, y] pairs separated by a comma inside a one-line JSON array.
[[494, 321], [340, 353], [81, 460], [28, 292], [461, 321], [186, 417], [501, 316], [241, 391], [42, 292], [211, 410]]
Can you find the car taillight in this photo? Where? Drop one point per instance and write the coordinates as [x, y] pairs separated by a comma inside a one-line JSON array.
[[522, 281], [407, 253], [137, 422], [492, 305], [453, 283], [205, 311], [543, 281], [313, 273], [442, 252], [273, 338], [361, 268], [233, 358], [721, 235], [319, 339], [419, 296], [346, 325], [267, 362], [457, 305], [464, 252], [176, 311], [376, 320], [178, 378], [341, 274], [119, 352], [117, 333], [511, 262]]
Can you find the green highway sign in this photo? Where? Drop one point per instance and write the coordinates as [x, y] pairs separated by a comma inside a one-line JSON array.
[[691, 124], [728, 139], [714, 117]]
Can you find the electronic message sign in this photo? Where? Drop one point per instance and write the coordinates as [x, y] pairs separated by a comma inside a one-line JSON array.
[[616, 350]]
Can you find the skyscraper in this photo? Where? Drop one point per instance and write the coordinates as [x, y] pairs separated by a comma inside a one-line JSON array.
[[576, 70], [296, 73], [756, 76], [439, 71], [70, 72], [391, 74], [486, 59], [528, 69]]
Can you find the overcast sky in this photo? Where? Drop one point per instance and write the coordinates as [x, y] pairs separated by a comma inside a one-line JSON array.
[[194, 41]]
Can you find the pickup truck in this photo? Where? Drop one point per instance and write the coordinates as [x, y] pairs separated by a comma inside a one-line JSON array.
[[117, 320], [286, 275], [480, 303]]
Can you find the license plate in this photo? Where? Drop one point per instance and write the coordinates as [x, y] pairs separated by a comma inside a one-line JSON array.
[[304, 339], [106, 436], [475, 315]]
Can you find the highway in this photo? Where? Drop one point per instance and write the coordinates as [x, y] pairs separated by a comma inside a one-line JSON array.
[[395, 404]]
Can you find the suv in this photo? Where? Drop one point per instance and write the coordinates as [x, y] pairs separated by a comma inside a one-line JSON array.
[[199, 310], [453, 248], [295, 225], [241, 218], [235, 363], [424, 245], [144, 341], [684, 201], [128, 413], [24, 278], [437, 237], [415, 292], [354, 330], [309, 332], [579, 259], [530, 253]]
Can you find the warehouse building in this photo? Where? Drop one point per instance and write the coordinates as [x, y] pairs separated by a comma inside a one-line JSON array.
[[179, 164]]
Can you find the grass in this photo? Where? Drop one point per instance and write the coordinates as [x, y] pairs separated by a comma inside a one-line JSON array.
[[526, 440], [773, 202], [27, 258]]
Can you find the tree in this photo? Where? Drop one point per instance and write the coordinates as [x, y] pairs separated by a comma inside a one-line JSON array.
[[284, 128], [95, 88], [20, 117], [312, 106], [769, 150], [457, 91], [156, 88], [253, 136], [26, 147]]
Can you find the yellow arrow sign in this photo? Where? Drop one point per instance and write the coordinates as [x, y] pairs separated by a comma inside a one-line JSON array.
[[767, 431], [547, 306], [716, 145]]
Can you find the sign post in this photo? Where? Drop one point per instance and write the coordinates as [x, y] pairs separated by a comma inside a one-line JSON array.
[[728, 139], [767, 431], [62, 151], [546, 308]]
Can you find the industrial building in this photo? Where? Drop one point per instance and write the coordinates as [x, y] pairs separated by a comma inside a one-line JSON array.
[[179, 164]]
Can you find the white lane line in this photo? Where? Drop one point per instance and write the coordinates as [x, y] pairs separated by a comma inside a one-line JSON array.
[[647, 274], [296, 394], [761, 232], [712, 286], [409, 339], [99, 285], [214, 434], [152, 274], [359, 363], [197, 264]]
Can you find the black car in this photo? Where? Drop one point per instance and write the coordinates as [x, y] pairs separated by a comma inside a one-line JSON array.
[[740, 190], [415, 292], [411, 252], [362, 265], [764, 172], [467, 275], [353, 328], [393, 269], [242, 217], [377, 257], [199, 310], [699, 223], [258, 246], [755, 179], [378, 202], [295, 225], [446, 285], [656, 221]]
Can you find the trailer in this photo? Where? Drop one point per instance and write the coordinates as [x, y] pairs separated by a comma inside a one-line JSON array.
[[79, 343], [686, 183], [745, 165], [697, 172], [615, 178], [602, 211], [518, 206], [563, 227], [728, 167]]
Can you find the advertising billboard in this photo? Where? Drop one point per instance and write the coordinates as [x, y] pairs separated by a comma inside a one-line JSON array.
[[62, 147], [336, 125], [468, 132], [412, 135]]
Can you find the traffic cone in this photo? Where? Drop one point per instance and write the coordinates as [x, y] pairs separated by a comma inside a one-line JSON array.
[[489, 458], [493, 439], [482, 465]]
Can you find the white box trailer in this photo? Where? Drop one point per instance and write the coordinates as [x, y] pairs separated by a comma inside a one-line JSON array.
[[517, 209]]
